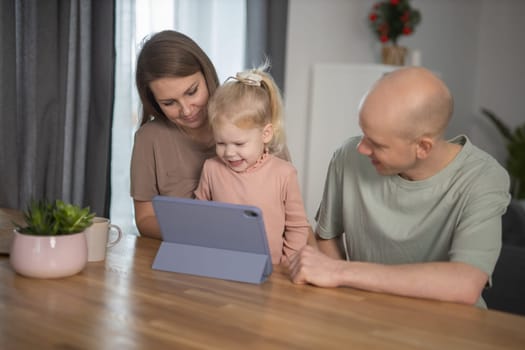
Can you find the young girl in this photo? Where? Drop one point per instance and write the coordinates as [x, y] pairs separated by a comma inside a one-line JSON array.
[[245, 115], [174, 78]]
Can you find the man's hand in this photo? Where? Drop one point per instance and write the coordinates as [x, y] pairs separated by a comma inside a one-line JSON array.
[[311, 266]]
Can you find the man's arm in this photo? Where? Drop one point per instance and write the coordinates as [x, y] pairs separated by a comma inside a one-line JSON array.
[[447, 281], [334, 247], [311, 241]]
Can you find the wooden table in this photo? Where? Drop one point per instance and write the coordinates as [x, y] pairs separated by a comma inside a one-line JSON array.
[[122, 303]]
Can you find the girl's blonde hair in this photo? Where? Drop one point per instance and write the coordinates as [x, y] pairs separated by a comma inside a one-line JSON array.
[[251, 99]]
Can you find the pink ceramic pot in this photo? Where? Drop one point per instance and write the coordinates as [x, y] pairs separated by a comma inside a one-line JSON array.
[[48, 256]]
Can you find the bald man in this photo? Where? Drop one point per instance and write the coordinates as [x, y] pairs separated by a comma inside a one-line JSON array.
[[421, 215]]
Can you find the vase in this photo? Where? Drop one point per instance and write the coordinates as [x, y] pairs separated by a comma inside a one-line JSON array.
[[48, 256], [393, 55]]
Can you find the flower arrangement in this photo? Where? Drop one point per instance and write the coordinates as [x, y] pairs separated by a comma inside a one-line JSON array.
[[390, 19]]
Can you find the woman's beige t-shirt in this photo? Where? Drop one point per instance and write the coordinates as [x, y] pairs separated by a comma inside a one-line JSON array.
[[166, 161]]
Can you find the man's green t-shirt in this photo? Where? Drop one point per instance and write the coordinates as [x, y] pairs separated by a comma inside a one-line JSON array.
[[454, 215]]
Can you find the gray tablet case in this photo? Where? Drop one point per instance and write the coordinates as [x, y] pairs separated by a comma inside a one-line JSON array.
[[212, 239]]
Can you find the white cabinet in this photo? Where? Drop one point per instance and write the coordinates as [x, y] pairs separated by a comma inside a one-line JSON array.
[[336, 90]]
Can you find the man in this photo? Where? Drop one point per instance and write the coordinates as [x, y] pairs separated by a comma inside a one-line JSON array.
[[421, 215]]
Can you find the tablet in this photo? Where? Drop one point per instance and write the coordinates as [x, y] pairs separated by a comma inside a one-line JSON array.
[[212, 239]]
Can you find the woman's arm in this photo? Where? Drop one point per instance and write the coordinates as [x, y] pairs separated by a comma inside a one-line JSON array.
[[146, 220]]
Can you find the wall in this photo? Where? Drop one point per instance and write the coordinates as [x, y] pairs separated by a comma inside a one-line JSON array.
[[319, 31], [475, 45], [501, 70]]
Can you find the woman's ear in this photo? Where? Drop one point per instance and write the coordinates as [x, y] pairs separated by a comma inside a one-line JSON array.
[[267, 133], [424, 146]]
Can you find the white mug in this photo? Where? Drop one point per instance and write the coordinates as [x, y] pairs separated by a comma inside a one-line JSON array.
[[97, 238]]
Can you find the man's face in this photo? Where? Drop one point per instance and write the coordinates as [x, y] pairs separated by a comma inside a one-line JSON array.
[[389, 151], [389, 155]]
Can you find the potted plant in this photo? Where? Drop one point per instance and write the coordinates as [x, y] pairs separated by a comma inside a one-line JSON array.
[[389, 20], [52, 242], [515, 162]]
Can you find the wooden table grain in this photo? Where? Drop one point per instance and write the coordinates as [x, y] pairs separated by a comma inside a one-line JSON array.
[[122, 303]]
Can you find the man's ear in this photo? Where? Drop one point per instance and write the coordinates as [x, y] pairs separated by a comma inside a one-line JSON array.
[[267, 133], [424, 147]]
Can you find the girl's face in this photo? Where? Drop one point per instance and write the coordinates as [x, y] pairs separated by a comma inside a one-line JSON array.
[[240, 148], [183, 99]]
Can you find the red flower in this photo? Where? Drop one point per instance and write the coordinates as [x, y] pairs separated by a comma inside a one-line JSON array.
[[392, 19]]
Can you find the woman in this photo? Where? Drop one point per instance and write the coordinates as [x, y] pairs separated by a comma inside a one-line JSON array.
[[174, 80]]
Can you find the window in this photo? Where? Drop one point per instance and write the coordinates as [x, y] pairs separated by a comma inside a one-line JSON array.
[[218, 26]]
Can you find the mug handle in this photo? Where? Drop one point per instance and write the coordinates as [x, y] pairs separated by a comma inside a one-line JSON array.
[[119, 235]]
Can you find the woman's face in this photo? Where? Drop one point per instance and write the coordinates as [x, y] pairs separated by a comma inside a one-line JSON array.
[[183, 99]]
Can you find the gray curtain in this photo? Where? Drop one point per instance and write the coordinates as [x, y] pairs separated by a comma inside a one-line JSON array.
[[266, 25], [56, 100]]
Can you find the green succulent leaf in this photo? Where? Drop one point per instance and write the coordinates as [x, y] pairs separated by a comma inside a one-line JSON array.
[[46, 218]]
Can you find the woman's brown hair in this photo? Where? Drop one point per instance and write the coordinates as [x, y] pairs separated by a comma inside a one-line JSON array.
[[169, 54]]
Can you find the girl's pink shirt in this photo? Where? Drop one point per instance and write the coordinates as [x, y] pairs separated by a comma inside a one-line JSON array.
[[273, 187]]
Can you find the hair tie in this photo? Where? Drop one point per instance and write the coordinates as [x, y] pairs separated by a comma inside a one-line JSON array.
[[249, 78]]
